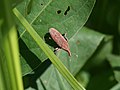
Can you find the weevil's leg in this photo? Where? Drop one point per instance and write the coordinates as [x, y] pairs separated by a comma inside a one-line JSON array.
[[65, 36], [56, 49]]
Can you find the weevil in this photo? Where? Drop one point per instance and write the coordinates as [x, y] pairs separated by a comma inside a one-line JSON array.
[[60, 40]]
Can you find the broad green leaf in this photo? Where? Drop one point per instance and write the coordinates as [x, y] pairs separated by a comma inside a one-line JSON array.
[[99, 71], [43, 15], [82, 46], [53, 58], [101, 53], [115, 64], [87, 41]]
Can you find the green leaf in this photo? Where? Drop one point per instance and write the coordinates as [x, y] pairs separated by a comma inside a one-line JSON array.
[[54, 59], [100, 55], [115, 64], [43, 15], [66, 16], [51, 78], [82, 46]]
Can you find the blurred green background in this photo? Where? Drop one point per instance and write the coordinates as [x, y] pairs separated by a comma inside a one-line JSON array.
[[105, 66]]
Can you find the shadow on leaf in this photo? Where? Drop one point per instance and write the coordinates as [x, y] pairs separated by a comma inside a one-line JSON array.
[[33, 61]]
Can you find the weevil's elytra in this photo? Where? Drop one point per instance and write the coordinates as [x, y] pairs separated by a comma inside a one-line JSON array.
[[60, 40]]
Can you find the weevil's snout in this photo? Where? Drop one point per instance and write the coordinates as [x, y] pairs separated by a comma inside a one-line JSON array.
[[69, 53]]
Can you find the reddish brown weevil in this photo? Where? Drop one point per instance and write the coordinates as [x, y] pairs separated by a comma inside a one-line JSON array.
[[60, 40]]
